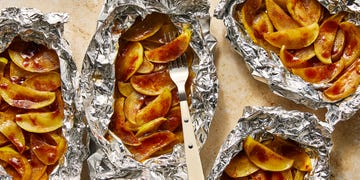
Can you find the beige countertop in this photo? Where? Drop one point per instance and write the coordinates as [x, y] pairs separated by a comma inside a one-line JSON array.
[[237, 87]]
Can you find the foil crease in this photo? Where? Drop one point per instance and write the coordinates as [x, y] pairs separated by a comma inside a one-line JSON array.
[[47, 29], [263, 122], [268, 68], [112, 159]]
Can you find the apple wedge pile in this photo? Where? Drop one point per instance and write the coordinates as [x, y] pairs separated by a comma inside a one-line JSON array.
[[272, 159], [147, 115], [31, 111], [319, 47]]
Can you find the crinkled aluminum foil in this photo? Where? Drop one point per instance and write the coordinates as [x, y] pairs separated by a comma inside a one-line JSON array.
[[47, 29], [271, 71], [112, 159], [263, 122]]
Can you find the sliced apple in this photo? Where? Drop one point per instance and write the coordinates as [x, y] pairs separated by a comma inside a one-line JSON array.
[[125, 88], [279, 18], [296, 59], [152, 84], [167, 28], [12, 132], [305, 12], [126, 136], [240, 166], [262, 25], [265, 158], [248, 13], [3, 140], [171, 50], [294, 38], [146, 67], [150, 126], [152, 143], [133, 104], [17, 161], [324, 43], [282, 175], [352, 42], [346, 84], [128, 60], [38, 169], [173, 119], [159, 107], [17, 74], [145, 28], [321, 73], [50, 81], [282, 4], [24, 97], [168, 148], [260, 175], [3, 62], [339, 45], [299, 175], [43, 61]]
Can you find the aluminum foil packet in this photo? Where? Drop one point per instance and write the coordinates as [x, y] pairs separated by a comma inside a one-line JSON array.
[[262, 123], [97, 82], [269, 69], [47, 29]]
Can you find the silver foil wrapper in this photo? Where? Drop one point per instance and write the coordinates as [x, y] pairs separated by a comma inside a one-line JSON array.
[[47, 29], [112, 159], [271, 71], [262, 123]]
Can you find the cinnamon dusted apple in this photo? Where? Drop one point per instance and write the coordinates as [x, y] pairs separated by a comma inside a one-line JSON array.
[[272, 159], [32, 111], [298, 30], [147, 116]]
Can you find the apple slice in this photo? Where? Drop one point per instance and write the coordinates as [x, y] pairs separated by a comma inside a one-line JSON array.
[[282, 175], [159, 107], [260, 175], [12, 132], [150, 126], [265, 158], [24, 97], [43, 61], [152, 84], [299, 175], [3, 62], [173, 119], [324, 43], [146, 67], [152, 143], [168, 148], [171, 50], [262, 25], [17, 74], [320, 74], [248, 13], [346, 84], [279, 18], [17, 161], [142, 29], [49, 81], [3, 140], [240, 166], [352, 42], [118, 118], [167, 28], [125, 88], [133, 104], [38, 169], [305, 12], [296, 59], [294, 38], [339, 45], [128, 60]]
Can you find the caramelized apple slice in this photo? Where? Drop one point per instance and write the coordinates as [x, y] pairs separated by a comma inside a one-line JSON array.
[[3, 62], [146, 67], [305, 12], [150, 126], [44, 61], [133, 104], [17, 161], [168, 148], [279, 18], [346, 84], [128, 61], [320, 74], [259, 175], [298, 58], [12, 132], [291, 150], [299, 175], [265, 158], [294, 38], [240, 166], [282, 175], [152, 84], [24, 97], [339, 45], [262, 25], [155, 109], [171, 50], [125, 88], [145, 28], [44, 82], [38, 169], [248, 13], [152, 143], [173, 119], [17, 74], [352, 40], [3, 140], [48, 152], [167, 28], [323, 45]]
